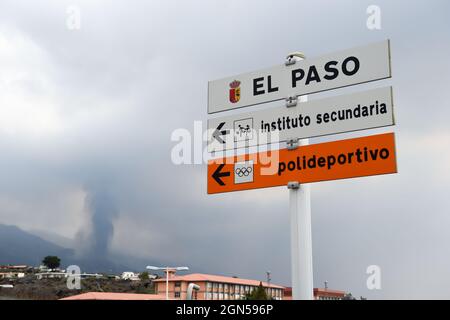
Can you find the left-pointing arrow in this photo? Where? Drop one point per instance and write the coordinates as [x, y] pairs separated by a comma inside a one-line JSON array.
[[218, 174], [218, 132]]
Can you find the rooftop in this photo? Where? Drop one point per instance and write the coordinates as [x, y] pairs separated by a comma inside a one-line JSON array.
[[115, 296], [319, 292], [326, 291]]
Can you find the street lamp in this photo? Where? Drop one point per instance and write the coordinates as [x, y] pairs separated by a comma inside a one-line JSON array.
[[167, 269]]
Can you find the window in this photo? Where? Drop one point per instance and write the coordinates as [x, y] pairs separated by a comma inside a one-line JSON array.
[[220, 287], [208, 296], [225, 286], [215, 285], [177, 294], [221, 296], [177, 284]]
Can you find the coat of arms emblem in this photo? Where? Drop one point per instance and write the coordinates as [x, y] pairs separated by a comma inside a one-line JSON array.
[[235, 91]]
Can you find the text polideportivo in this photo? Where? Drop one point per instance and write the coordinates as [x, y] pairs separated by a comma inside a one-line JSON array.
[[286, 123], [329, 161]]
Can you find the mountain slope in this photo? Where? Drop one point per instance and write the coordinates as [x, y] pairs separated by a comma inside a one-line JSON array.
[[20, 247]]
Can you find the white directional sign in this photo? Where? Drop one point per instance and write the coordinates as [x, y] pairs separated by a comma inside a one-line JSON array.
[[345, 113], [345, 68]]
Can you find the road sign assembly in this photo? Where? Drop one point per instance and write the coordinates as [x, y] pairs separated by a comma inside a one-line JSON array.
[[294, 122]]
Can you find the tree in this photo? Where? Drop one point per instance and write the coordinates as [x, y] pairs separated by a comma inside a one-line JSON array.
[[51, 262], [144, 276], [348, 296], [258, 294]]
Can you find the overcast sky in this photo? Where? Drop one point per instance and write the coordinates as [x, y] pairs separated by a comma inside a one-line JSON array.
[[86, 116]]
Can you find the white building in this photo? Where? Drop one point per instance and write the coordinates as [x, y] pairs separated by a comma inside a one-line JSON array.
[[11, 275]]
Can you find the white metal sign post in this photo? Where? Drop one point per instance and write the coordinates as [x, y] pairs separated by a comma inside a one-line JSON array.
[[300, 220]]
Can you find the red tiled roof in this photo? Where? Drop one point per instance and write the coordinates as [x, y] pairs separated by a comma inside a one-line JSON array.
[[115, 296], [327, 291], [317, 292], [214, 278]]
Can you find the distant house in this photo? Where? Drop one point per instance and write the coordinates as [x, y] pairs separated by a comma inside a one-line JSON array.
[[63, 274], [13, 271], [112, 277], [11, 275], [51, 275], [14, 267], [43, 268]]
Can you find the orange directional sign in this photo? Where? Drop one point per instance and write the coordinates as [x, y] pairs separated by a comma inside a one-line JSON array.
[[358, 157]]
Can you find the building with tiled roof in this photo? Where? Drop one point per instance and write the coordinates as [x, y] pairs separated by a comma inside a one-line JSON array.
[[214, 287]]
